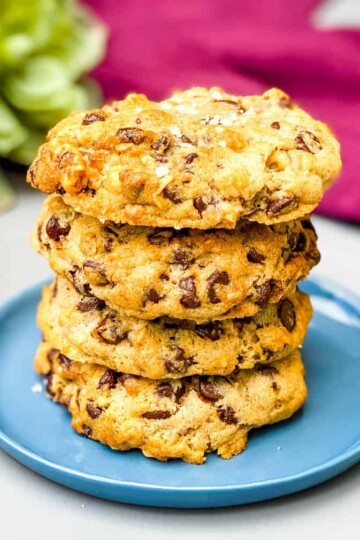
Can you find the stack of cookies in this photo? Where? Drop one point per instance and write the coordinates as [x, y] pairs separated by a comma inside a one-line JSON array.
[[178, 232]]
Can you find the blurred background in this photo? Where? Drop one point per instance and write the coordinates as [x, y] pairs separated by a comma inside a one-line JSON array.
[[61, 55]]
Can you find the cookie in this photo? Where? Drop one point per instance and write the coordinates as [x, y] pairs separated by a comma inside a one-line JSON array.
[[201, 159], [182, 419], [87, 331], [197, 275]]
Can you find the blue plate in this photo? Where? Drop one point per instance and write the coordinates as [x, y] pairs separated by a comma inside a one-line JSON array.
[[318, 443]]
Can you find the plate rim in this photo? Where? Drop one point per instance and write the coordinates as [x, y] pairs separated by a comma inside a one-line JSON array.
[[349, 456]]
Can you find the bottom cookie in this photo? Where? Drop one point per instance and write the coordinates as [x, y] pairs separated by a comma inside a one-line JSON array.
[[173, 419]]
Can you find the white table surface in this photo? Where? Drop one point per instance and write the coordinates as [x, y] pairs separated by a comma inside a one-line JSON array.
[[33, 508]]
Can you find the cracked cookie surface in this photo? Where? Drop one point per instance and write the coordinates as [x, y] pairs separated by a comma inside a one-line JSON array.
[[183, 419], [200, 159], [87, 331], [196, 275]]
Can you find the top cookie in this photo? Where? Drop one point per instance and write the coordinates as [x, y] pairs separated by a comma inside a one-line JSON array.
[[200, 159]]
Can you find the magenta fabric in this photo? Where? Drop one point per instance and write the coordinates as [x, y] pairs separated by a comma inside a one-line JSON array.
[[244, 46]]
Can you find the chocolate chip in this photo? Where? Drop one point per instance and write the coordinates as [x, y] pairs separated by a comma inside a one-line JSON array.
[[130, 135], [156, 415], [55, 230], [172, 195], [189, 298], [287, 315], [276, 205], [263, 293], [161, 145], [138, 121], [275, 386], [109, 331], [190, 158], [109, 379], [211, 330], [178, 363], [52, 355], [172, 391], [90, 118], [182, 258], [64, 361], [208, 391], [93, 411], [95, 273], [152, 297], [185, 139], [266, 369], [86, 431], [275, 125], [60, 190], [200, 205], [164, 277], [254, 256], [308, 142], [49, 383], [79, 282], [90, 303], [216, 278], [227, 415]]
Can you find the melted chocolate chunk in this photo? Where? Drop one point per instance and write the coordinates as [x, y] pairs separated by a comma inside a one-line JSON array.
[[64, 361], [178, 363], [171, 194], [287, 315], [277, 205], [173, 391], [216, 278], [79, 282], [109, 379], [189, 298], [55, 230], [91, 303], [86, 431], [161, 145], [227, 415], [156, 415], [132, 135], [208, 391], [90, 118], [266, 369], [211, 330], [200, 205], [254, 256], [152, 297], [190, 158], [93, 411], [109, 331], [275, 125], [182, 258]]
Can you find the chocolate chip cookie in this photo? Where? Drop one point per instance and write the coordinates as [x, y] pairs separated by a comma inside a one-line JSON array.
[[182, 419], [201, 159], [88, 331], [197, 275]]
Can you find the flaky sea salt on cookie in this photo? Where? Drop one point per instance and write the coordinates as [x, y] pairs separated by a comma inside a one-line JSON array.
[[200, 159]]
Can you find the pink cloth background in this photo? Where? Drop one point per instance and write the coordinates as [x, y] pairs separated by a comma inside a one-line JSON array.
[[244, 46]]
